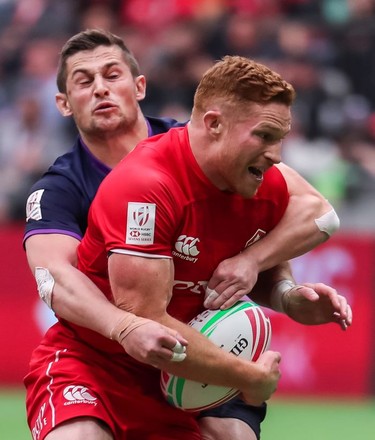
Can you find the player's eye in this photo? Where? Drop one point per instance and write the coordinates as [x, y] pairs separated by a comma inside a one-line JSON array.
[[113, 75], [84, 80], [267, 137]]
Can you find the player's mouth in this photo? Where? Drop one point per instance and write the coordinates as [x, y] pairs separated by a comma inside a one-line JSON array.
[[257, 173], [104, 107]]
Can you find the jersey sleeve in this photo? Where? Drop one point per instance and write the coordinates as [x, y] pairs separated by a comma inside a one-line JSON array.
[[136, 212], [55, 206]]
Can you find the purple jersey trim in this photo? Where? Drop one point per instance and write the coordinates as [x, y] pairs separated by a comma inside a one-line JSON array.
[[51, 231], [96, 162], [149, 129]]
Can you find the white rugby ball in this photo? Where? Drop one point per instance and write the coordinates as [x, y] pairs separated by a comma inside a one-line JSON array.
[[243, 330]]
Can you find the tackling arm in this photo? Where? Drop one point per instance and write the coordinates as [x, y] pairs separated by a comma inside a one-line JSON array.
[[76, 299], [304, 226], [307, 303]]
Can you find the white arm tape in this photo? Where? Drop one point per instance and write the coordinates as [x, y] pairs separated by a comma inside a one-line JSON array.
[[45, 284], [328, 222], [278, 291]]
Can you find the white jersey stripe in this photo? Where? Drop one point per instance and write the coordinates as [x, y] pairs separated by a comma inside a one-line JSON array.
[[48, 374]]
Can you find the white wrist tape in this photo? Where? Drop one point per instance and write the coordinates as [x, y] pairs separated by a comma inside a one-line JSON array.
[[328, 222], [210, 297], [45, 284], [277, 294]]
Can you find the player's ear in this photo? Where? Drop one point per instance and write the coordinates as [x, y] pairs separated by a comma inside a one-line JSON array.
[[213, 122], [140, 87], [62, 104]]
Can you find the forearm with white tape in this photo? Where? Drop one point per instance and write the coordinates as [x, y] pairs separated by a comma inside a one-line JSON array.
[[125, 325], [45, 284], [130, 322], [278, 294]]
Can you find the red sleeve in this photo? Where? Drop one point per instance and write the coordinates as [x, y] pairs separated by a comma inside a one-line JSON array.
[[136, 210]]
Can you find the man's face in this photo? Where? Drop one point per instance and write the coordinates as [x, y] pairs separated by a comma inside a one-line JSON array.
[[249, 146], [102, 94]]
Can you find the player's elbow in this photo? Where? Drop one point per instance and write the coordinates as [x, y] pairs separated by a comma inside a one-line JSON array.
[[321, 212], [329, 222]]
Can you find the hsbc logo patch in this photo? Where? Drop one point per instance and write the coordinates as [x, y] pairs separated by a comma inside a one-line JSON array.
[[76, 394], [140, 227], [186, 248]]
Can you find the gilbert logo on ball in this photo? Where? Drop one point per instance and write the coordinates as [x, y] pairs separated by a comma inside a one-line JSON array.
[[243, 330]]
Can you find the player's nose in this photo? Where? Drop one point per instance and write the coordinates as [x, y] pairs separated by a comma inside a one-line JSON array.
[[273, 153], [100, 86]]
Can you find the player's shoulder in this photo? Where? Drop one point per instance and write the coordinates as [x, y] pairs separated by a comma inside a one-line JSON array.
[[161, 125], [273, 176], [77, 170], [58, 176], [69, 163], [274, 185], [66, 164]]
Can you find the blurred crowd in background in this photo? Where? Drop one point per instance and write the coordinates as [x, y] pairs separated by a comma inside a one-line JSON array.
[[325, 48]]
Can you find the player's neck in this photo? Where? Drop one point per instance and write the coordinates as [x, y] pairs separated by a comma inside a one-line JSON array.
[[112, 147]]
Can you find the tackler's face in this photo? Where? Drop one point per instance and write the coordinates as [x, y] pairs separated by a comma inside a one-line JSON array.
[[250, 144], [102, 95]]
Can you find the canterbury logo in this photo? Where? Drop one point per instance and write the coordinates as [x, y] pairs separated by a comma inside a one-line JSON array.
[[186, 248], [77, 392], [187, 245]]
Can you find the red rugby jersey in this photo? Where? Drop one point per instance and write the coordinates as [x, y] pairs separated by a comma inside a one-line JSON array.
[[158, 202]]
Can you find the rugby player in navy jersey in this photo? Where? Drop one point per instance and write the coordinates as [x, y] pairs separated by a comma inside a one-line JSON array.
[[100, 86]]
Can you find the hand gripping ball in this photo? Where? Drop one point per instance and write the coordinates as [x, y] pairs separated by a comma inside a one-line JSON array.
[[243, 330]]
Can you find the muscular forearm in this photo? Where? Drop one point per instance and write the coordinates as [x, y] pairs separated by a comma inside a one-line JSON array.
[[301, 227], [77, 300], [207, 363], [296, 234], [72, 295]]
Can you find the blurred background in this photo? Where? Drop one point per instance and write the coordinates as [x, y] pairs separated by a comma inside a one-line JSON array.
[[326, 49]]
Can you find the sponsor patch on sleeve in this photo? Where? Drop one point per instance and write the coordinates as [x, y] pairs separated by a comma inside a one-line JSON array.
[[33, 208], [140, 227]]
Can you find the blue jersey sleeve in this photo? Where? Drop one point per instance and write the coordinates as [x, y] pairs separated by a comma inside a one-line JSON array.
[[59, 202], [55, 206]]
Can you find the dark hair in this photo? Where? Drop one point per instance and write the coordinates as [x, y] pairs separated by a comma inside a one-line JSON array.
[[89, 40]]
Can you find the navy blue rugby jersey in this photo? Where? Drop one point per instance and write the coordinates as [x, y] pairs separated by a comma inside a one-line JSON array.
[[59, 202]]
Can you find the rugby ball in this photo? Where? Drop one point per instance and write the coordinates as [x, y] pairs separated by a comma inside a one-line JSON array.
[[243, 330]]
